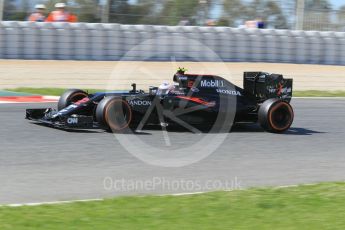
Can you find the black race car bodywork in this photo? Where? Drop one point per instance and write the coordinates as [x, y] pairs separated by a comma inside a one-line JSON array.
[[194, 100]]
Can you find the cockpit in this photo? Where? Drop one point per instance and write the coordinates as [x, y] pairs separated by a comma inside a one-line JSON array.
[[165, 88]]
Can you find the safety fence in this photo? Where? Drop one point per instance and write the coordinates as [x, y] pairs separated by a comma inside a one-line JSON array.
[[85, 41]]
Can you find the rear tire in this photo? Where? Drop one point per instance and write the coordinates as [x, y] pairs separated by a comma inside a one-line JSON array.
[[114, 113], [71, 96], [275, 115]]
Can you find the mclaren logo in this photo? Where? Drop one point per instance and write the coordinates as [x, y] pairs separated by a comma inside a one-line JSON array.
[[139, 103], [212, 83]]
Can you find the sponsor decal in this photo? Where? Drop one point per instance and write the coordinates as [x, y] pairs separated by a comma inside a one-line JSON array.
[[70, 107], [190, 84], [199, 101], [139, 103], [280, 90], [230, 92], [194, 89], [263, 76], [211, 104], [72, 120], [212, 83], [176, 92], [286, 90], [271, 89], [183, 78], [82, 101]]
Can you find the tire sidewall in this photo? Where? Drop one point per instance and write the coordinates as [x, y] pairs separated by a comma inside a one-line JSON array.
[[66, 98], [265, 115], [101, 113]]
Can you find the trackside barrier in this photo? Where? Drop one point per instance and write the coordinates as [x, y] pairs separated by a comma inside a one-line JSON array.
[[86, 41]]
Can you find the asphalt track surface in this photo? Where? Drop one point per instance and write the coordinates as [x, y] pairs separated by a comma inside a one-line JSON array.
[[40, 164]]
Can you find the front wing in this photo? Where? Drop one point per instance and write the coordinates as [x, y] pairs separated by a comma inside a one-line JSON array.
[[44, 117]]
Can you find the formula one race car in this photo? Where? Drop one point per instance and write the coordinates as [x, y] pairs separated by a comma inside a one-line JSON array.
[[193, 100]]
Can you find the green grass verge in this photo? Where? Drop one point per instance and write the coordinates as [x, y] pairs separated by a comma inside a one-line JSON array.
[[318, 93], [320, 206], [58, 92]]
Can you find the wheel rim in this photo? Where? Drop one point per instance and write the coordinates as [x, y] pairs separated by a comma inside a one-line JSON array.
[[118, 115], [281, 116], [76, 97]]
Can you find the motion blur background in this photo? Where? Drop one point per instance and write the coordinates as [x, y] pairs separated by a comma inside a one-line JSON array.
[[322, 15], [296, 32]]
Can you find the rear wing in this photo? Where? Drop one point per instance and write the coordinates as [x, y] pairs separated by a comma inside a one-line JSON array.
[[263, 86]]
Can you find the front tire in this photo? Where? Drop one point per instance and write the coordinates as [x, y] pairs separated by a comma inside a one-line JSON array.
[[275, 115], [114, 113], [71, 96]]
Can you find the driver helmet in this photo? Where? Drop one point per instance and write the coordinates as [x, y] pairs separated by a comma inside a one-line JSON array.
[[165, 88], [40, 7], [60, 5]]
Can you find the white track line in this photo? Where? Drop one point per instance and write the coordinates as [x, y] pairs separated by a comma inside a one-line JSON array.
[[47, 99], [294, 185], [11, 102], [51, 98], [49, 203], [186, 193], [173, 194], [322, 98]]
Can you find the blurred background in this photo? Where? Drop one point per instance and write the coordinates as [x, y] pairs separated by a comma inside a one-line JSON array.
[[322, 15]]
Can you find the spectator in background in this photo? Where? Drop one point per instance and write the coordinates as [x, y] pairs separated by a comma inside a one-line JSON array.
[[38, 15], [184, 22], [250, 24], [260, 24], [61, 14], [257, 23], [211, 22]]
